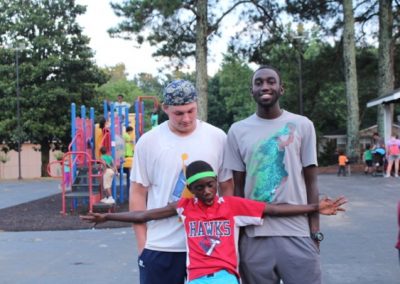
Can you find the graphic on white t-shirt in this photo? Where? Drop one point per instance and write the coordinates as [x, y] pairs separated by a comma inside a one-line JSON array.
[[180, 189]]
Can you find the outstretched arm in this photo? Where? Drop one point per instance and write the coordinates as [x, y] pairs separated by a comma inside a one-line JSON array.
[[325, 206], [133, 216]]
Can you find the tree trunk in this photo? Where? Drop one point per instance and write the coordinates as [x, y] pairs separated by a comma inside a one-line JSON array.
[[44, 148], [350, 71], [385, 56], [201, 58]]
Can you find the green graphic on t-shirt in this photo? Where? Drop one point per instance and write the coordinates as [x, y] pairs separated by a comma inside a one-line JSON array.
[[267, 164]]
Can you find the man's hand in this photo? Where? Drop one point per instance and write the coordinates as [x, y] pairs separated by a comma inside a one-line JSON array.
[[331, 207], [94, 218]]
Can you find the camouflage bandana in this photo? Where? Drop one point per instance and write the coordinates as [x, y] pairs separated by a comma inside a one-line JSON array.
[[179, 92]]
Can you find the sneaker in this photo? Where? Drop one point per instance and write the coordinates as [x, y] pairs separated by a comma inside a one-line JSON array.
[[386, 176], [110, 200], [104, 200]]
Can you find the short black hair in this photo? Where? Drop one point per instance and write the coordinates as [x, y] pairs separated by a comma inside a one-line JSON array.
[[102, 122], [267, 67], [129, 128], [103, 150], [197, 167]]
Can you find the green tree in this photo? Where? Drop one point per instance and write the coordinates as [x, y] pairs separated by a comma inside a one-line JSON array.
[[325, 14], [350, 71], [229, 93], [150, 85], [235, 83], [56, 68], [218, 115], [385, 60], [117, 72], [110, 90], [183, 28]]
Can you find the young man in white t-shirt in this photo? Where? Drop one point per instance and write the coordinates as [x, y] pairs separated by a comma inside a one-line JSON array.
[[273, 157], [157, 178]]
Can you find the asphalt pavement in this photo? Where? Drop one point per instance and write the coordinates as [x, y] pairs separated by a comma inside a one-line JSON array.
[[358, 246]]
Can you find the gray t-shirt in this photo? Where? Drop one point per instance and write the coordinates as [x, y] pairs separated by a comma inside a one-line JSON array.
[[273, 153]]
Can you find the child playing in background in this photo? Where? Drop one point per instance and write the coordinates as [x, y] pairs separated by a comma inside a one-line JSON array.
[[342, 161], [154, 118], [393, 155], [67, 174], [367, 157], [211, 223], [108, 176], [129, 146]]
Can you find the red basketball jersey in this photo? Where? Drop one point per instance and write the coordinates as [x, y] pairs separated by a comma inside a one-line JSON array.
[[212, 232]]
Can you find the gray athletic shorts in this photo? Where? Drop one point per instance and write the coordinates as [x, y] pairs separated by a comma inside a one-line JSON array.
[[267, 260]]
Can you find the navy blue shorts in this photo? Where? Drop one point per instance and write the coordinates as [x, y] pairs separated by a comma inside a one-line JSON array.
[[157, 267]]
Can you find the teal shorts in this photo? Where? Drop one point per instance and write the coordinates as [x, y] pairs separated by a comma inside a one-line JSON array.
[[220, 277]]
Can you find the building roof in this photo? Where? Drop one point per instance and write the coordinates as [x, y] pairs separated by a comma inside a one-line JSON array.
[[389, 98], [366, 132]]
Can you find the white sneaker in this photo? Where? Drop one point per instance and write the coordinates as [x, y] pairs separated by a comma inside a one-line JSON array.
[[387, 176], [110, 200], [104, 200]]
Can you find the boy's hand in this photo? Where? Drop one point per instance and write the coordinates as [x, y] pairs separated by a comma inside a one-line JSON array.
[[330, 207], [93, 218]]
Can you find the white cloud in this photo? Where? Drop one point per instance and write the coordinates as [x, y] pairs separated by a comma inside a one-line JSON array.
[[99, 17]]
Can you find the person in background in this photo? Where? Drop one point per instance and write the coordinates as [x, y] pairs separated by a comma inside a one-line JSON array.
[[154, 118], [129, 146], [120, 103], [108, 176], [367, 158], [393, 155], [378, 142], [67, 174], [102, 130], [342, 162]]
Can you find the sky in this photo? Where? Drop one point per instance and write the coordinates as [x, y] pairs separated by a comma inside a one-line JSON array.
[[99, 17]]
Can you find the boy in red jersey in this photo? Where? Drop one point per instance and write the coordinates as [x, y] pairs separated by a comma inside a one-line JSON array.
[[212, 223]]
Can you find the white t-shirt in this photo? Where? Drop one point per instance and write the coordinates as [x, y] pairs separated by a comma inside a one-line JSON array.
[[273, 153], [158, 164], [122, 105]]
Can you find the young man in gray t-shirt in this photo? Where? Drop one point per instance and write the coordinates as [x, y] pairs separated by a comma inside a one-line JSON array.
[[273, 157]]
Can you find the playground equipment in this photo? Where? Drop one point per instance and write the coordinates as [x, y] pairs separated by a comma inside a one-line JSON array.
[[86, 167], [87, 181], [139, 111], [83, 161]]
